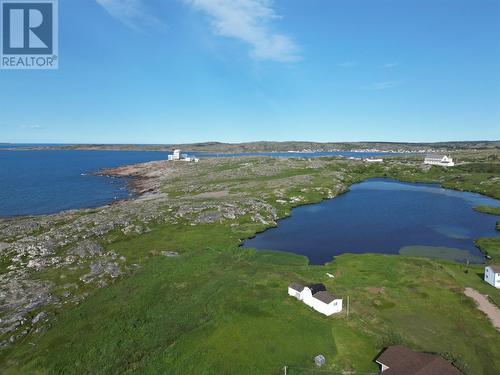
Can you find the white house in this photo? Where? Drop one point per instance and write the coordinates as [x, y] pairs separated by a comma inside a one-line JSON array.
[[441, 160], [175, 156], [492, 275], [182, 157], [316, 297]]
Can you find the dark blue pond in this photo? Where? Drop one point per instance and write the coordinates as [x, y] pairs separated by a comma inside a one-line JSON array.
[[385, 216]]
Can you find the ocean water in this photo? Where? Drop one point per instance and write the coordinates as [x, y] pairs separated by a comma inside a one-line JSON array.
[[49, 181], [385, 216], [42, 182]]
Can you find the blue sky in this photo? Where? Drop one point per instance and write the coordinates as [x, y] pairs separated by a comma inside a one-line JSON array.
[[168, 71]]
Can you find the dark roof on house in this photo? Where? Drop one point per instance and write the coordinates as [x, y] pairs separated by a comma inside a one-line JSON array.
[[495, 268], [325, 297], [403, 361], [315, 288], [297, 287]]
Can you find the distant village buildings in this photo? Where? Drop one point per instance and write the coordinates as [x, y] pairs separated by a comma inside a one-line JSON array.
[[400, 360], [177, 156], [441, 160], [492, 275], [316, 297]]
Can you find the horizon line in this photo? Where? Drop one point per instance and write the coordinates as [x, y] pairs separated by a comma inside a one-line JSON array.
[[243, 142]]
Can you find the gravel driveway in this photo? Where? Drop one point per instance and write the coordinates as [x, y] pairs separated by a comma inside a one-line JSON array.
[[485, 306]]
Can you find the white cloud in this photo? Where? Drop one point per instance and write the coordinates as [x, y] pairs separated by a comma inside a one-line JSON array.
[[249, 21], [348, 64], [35, 126], [385, 85], [130, 12], [390, 65]]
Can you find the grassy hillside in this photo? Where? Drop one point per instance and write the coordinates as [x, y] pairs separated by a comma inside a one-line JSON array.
[[217, 309], [220, 309]]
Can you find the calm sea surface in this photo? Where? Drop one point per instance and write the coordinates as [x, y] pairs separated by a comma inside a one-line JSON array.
[[385, 216], [41, 182], [49, 181]]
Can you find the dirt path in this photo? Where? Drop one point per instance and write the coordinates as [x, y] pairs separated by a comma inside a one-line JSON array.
[[485, 306]]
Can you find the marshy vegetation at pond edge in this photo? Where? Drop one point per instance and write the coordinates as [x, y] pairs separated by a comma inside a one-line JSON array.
[[220, 309]]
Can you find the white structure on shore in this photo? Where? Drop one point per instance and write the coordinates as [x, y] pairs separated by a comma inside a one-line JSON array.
[[316, 297], [175, 156], [492, 275], [441, 160], [182, 157], [374, 160]]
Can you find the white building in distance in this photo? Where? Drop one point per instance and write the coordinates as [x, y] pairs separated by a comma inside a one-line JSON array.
[[492, 275], [177, 156], [441, 160], [316, 297]]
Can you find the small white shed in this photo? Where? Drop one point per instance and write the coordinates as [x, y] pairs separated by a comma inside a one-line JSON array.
[[316, 297], [295, 290], [492, 275], [320, 360]]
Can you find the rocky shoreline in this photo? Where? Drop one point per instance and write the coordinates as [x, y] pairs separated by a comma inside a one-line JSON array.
[[141, 178], [51, 261]]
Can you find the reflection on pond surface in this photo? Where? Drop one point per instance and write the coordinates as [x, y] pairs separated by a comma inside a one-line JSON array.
[[385, 216]]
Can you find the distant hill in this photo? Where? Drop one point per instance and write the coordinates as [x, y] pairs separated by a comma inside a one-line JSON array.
[[266, 146]]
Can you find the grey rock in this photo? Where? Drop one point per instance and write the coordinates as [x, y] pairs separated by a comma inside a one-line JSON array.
[[19, 295], [39, 317], [209, 217], [100, 269], [86, 249]]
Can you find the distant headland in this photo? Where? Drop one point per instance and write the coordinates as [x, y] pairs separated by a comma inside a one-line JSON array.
[[288, 146]]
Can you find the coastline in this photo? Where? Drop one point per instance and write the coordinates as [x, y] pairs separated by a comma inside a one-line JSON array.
[[92, 248]]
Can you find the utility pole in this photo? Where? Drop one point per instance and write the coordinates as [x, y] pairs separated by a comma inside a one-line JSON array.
[[284, 369], [348, 306]]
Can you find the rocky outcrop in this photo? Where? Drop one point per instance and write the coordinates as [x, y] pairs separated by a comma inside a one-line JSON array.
[[38, 254]]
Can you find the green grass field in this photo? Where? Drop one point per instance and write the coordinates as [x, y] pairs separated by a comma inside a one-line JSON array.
[[218, 309], [490, 246]]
